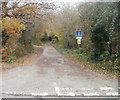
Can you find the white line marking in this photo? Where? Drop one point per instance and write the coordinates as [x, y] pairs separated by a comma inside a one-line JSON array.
[[32, 94], [57, 90], [86, 89], [112, 94], [39, 94], [71, 94], [106, 88], [90, 94], [66, 89]]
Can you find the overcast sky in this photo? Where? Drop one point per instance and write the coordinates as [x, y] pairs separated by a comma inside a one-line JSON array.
[[86, 0], [59, 1], [69, 0]]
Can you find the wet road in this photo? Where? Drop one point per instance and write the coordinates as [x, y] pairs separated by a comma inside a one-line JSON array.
[[54, 75]]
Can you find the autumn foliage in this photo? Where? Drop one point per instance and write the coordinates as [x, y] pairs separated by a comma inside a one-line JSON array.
[[26, 12], [12, 27]]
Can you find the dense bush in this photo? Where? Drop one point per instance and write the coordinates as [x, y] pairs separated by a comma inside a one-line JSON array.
[[11, 30], [22, 50], [104, 32], [99, 38]]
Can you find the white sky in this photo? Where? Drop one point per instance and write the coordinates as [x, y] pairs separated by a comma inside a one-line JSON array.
[[59, 1], [73, 1], [69, 0]]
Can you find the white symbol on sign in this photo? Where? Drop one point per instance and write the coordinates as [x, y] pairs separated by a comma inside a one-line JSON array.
[[78, 38]]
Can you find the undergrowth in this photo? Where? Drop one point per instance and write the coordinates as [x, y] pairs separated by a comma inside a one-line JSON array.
[[107, 67]]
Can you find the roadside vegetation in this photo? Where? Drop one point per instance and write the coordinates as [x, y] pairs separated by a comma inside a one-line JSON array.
[[37, 23], [22, 26], [99, 23], [85, 61]]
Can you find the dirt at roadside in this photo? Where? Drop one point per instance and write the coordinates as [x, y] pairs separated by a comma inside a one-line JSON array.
[[25, 60]]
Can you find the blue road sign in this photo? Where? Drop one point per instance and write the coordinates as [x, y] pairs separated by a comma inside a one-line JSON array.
[[79, 33]]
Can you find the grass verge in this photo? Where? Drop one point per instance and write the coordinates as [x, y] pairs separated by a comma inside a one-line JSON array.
[[85, 61]]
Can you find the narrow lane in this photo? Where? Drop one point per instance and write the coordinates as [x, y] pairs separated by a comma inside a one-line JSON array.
[[54, 75]]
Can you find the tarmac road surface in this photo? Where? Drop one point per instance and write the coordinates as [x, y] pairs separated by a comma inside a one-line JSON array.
[[53, 75]]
